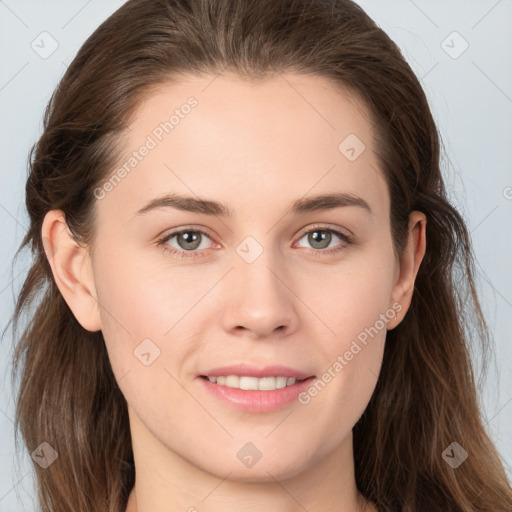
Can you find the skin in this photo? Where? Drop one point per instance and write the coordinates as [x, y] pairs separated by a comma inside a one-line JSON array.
[[256, 147]]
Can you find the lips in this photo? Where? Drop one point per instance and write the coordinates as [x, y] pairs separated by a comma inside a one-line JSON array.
[[255, 401]]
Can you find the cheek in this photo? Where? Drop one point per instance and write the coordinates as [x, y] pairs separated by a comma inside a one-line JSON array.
[[353, 304], [144, 305], [350, 298], [142, 297]]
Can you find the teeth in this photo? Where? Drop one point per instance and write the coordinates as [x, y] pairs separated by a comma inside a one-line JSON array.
[[253, 383]]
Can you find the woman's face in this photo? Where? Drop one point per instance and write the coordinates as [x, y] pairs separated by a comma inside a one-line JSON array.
[[262, 275]]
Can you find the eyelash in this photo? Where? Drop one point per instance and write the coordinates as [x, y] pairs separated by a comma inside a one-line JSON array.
[[162, 242]]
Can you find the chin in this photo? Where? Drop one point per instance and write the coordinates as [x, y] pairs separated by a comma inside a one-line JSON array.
[[262, 471]]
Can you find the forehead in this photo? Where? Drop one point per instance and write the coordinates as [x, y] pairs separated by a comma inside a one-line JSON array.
[[242, 141], [308, 106]]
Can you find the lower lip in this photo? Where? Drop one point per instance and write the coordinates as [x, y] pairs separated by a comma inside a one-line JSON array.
[[256, 400]]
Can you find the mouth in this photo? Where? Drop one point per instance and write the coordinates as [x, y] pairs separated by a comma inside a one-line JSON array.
[[255, 394]]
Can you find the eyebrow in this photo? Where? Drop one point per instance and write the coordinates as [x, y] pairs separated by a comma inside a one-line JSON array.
[[214, 208]]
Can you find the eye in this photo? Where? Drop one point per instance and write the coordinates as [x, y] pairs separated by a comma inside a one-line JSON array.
[[188, 241], [320, 238]]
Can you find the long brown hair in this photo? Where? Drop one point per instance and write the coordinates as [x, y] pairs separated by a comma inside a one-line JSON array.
[[426, 396]]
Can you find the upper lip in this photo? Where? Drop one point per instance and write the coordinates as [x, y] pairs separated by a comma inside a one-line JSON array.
[[255, 371]]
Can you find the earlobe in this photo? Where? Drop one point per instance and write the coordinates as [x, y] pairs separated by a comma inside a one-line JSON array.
[[72, 270], [409, 265]]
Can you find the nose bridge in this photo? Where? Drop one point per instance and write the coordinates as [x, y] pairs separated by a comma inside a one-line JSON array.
[[256, 267], [260, 301]]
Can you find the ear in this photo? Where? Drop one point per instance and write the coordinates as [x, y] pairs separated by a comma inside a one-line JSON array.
[[408, 266], [72, 270]]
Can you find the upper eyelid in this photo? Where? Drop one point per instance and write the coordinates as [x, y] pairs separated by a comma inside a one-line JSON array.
[[322, 227]]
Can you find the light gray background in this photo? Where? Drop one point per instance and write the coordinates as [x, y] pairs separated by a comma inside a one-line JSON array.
[[471, 97]]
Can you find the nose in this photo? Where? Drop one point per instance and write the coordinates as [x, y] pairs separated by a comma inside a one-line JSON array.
[[260, 300]]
